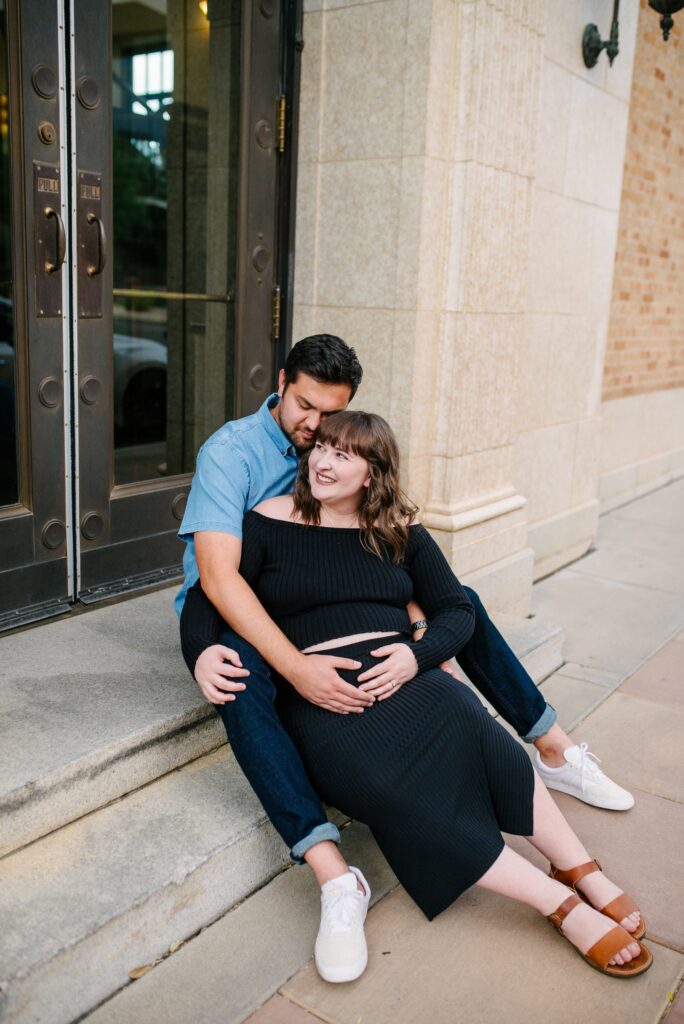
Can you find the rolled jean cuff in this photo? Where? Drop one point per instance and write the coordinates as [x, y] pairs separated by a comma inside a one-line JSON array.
[[542, 725], [320, 834]]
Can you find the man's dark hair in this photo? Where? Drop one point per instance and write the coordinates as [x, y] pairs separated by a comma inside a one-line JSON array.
[[327, 359]]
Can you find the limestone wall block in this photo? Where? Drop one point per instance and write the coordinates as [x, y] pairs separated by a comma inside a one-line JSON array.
[[597, 131], [358, 207], [544, 468]]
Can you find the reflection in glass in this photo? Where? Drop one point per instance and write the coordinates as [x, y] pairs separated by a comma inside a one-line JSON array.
[[8, 431], [175, 122]]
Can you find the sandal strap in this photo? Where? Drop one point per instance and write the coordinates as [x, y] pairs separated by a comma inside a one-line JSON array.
[[612, 942], [622, 906], [573, 875], [561, 912]]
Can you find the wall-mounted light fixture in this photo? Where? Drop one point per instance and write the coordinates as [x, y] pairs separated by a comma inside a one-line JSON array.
[[666, 8], [592, 44]]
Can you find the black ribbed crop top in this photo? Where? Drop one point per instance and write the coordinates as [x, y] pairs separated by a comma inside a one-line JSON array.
[[318, 583]]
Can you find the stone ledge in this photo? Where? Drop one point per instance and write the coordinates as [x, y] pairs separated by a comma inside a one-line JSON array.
[[112, 891], [94, 706]]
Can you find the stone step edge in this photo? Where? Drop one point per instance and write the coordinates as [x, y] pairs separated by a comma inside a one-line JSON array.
[[35, 810], [44, 805], [97, 964]]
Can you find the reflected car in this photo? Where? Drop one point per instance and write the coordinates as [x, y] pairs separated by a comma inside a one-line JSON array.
[[140, 366]]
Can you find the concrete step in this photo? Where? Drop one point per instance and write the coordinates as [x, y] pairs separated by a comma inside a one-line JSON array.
[[93, 707], [112, 891], [233, 966], [100, 704], [537, 643]]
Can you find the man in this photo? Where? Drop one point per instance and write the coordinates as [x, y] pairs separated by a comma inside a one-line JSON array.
[[243, 463]]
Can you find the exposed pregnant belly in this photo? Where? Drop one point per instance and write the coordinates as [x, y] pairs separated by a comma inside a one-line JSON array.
[[343, 641]]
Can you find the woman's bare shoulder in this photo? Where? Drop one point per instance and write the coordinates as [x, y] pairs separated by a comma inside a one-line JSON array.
[[276, 508]]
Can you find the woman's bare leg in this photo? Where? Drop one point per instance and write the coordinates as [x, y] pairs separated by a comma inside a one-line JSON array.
[[554, 837], [513, 876], [326, 862]]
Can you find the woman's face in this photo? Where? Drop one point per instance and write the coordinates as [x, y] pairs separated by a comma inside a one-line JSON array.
[[335, 475]]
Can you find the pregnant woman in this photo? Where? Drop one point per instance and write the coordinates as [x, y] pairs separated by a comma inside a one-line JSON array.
[[426, 767]]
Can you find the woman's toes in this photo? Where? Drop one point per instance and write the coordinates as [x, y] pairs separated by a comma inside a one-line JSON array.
[[631, 922], [625, 955]]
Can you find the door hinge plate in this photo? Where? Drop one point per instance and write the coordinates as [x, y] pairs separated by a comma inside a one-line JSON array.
[[276, 312], [282, 112]]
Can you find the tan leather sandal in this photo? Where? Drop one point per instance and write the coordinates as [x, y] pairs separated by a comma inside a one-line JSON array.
[[616, 909], [603, 951]]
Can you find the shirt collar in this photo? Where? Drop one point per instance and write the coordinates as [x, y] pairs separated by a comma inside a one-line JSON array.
[[273, 428]]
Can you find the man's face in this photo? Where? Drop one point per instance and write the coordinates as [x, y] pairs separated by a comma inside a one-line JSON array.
[[304, 403]]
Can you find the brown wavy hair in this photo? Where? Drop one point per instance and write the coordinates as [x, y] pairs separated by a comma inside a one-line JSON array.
[[385, 513]]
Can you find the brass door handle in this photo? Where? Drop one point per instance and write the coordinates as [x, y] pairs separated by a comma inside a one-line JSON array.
[[52, 268], [93, 271]]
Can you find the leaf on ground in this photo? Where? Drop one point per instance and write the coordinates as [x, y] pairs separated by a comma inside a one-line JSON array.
[[138, 972], [176, 945]]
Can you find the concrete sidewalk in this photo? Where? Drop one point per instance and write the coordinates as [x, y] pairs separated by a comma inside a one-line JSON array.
[[622, 608]]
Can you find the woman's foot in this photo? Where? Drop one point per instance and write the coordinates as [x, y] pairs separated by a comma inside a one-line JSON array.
[[589, 880], [584, 926], [600, 891]]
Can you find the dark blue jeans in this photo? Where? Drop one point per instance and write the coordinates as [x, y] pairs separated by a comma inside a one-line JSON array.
[[273, 766], [493, 668]]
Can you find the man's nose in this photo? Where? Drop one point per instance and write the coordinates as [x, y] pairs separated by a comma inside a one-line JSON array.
[[313, 421]]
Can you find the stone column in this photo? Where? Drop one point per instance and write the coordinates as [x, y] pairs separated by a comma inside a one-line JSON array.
[[418, 124], [472, 505]]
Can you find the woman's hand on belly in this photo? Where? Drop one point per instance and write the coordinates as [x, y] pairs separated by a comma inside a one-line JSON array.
[[398, 666]]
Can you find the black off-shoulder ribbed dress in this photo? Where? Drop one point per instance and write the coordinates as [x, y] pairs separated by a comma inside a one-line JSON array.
[[432, 774]]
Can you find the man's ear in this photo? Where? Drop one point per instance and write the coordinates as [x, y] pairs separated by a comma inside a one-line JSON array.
[[281, 382]]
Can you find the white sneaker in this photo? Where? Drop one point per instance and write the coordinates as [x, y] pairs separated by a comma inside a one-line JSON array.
[[580, 776], [341, 952]]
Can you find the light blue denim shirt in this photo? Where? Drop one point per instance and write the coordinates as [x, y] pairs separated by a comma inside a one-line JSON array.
[[243, 463]]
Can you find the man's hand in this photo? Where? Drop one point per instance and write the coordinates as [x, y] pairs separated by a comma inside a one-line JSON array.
[[317, 680], [216, 678], [399, 665], [449, 667]]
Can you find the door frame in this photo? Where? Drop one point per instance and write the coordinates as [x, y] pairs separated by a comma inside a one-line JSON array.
[[120, 538]]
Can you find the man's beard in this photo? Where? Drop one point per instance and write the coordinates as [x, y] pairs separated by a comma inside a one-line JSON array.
[[299, 445]]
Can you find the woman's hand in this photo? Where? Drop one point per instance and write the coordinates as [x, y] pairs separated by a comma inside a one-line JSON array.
[[398, 667], [215, 678]]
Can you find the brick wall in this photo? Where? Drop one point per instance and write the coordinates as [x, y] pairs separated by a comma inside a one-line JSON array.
[[645, 346]]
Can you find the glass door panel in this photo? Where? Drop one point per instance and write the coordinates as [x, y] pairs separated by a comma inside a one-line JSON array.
[[176, 106]]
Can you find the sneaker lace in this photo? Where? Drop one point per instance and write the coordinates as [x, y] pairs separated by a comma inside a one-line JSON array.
[[588, 767], [340, 910]]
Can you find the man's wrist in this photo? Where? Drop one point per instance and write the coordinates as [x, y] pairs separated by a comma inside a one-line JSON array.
[[419, 624], [292, 667]]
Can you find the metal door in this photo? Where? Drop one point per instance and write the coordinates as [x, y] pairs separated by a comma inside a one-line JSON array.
[[146, 152]]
